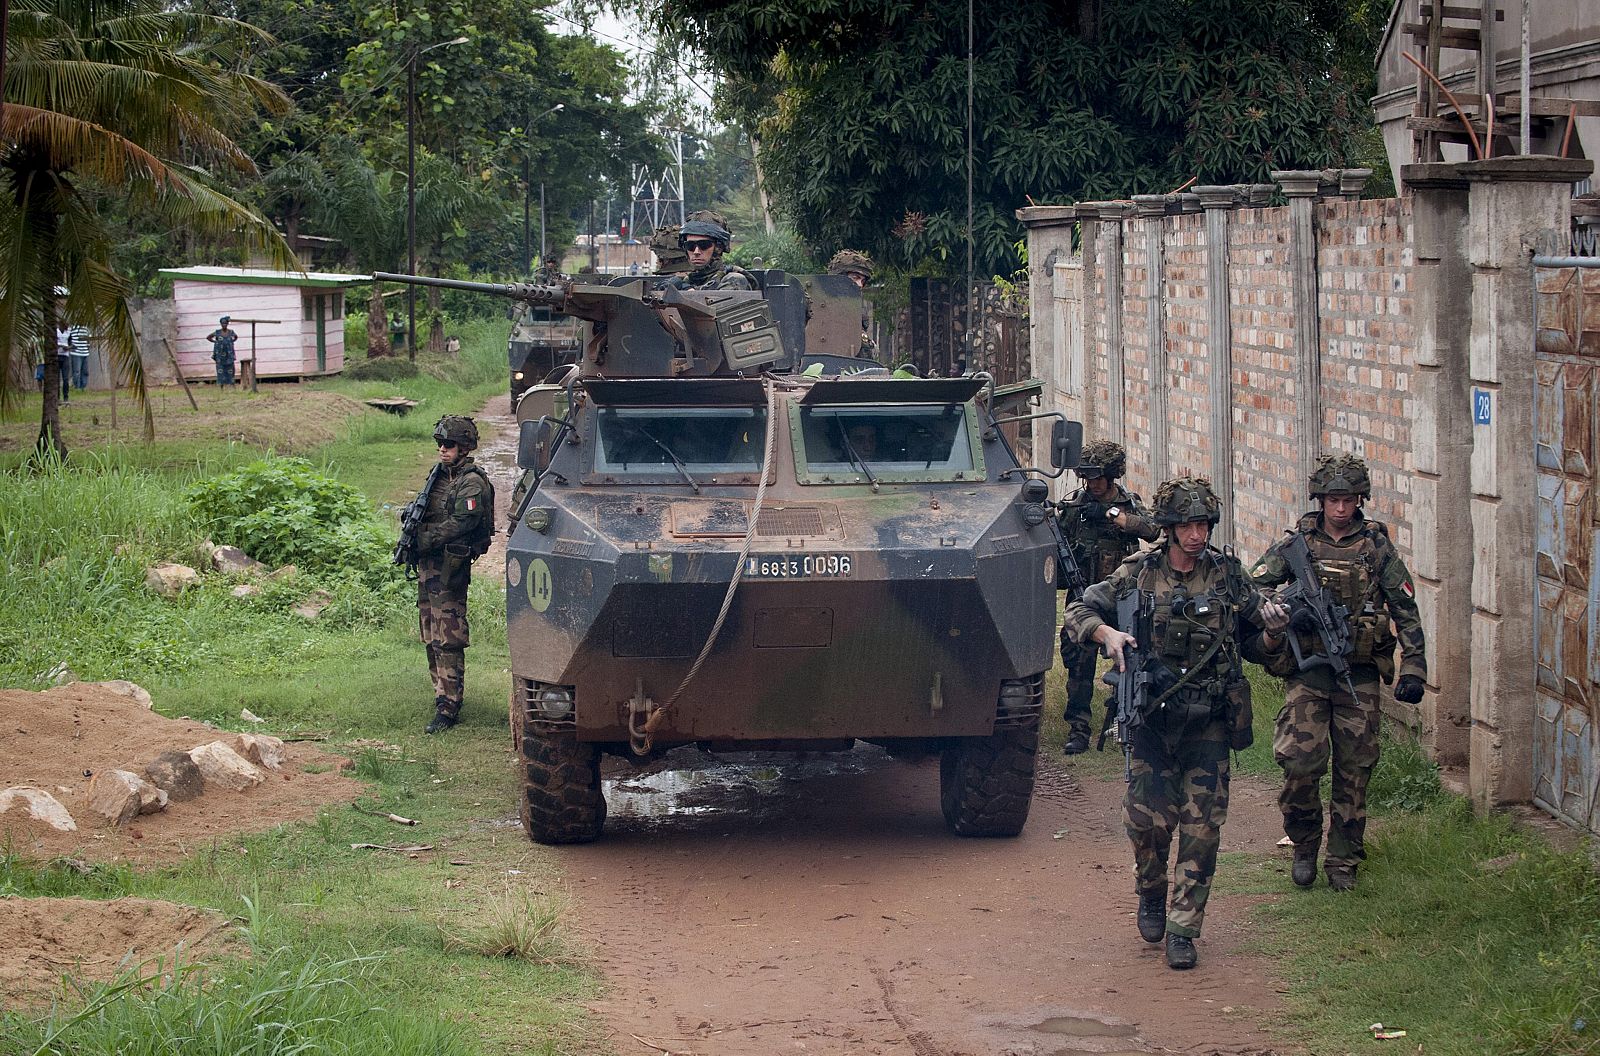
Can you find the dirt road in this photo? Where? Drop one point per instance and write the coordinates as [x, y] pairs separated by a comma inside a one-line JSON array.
[[820, 906], [745, 906]]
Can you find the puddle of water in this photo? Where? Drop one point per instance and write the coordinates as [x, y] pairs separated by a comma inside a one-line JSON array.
[[1085, 1027]]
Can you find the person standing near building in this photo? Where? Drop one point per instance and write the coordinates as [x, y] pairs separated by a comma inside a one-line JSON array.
[[1103, 522], [222, 341], [1320, 718], [1207, 618], [78, 351], [456, 527], [64, 357]]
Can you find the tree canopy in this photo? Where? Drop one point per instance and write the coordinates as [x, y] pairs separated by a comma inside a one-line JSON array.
[[859, 107]]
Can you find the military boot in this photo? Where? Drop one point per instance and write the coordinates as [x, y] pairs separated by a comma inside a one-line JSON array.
[[1180, 952], [1153, 916], [1304, 871], [445, 715], [1342, 877], [1076, 744]]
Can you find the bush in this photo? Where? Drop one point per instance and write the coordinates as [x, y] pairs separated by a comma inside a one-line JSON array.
[[392, 368], [283, 511]]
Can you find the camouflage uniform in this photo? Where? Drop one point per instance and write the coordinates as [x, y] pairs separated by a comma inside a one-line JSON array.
[[716, 274], [1099, 546], [847, 262], [456, 528], [1179, 755], [670, 260], [1319, 717]]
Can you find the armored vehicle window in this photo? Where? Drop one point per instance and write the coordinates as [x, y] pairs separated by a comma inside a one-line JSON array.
[[892, 442], [703, 439]]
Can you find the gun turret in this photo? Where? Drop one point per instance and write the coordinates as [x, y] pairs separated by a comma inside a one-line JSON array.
[[646, 327]]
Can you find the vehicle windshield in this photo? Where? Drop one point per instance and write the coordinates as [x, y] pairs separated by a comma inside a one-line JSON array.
[[843, 439], [701, 440]]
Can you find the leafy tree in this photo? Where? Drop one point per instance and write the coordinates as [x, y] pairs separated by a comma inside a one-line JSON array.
[[860, 105], [132, 96]]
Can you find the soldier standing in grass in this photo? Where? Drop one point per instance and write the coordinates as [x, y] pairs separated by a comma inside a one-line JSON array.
[[1208, 617], [1356, 560], [456, 527], [1103, 523]]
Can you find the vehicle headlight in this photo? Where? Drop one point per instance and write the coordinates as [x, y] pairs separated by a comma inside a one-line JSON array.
[[517, 375], [555, 702], [538, 518]]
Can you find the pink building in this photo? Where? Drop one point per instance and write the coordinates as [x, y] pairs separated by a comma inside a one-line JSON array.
[[291, 323]]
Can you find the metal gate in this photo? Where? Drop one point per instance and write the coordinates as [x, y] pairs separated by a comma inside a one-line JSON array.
[[944, 341], [1567, 560]]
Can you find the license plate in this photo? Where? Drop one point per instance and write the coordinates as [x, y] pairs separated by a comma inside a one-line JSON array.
[[797, 566]]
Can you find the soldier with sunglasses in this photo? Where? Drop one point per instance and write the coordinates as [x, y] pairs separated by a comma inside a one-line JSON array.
[[705, 241]]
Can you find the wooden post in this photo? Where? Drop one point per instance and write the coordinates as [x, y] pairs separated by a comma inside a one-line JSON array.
[[173, 356]]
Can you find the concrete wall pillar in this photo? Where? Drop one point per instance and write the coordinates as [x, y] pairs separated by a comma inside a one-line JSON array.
[[1300, 187], [1151, 209], [1514, 205], [1441, 453], [1218, 203], [1050, 230], [1094, 305]]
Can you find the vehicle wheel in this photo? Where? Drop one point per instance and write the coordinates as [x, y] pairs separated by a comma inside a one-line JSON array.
[[986, 783], [561, 801]]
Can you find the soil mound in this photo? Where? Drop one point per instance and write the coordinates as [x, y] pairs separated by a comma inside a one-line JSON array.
[[43, 939], [59, 739]]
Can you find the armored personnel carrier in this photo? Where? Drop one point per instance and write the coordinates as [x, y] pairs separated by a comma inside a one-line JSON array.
[[540, 341], [707, 551]]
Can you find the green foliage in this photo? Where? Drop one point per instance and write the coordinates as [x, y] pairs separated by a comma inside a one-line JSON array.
[[780, 250], [273, 1004], [386, 369], [283, 511], [860, 107]]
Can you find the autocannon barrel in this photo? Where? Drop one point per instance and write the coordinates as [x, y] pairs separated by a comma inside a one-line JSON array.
[[530, 292]]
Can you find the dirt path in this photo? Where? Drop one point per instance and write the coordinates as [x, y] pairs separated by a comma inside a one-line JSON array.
[[821, 907], [752, 905]]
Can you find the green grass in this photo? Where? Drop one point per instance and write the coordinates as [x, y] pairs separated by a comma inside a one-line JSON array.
[[360, 932]]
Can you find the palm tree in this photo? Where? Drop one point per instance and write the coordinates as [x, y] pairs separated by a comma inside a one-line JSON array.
[[130, 95]]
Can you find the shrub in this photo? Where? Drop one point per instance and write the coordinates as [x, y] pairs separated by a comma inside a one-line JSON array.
[[392, 368], [284, 511]]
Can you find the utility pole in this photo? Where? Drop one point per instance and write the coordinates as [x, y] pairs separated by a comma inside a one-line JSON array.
[[411, 203]]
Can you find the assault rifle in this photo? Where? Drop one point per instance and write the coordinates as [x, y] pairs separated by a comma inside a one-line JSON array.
[[1069, 574], [1132, 685], [1313, 607], [405, 550]]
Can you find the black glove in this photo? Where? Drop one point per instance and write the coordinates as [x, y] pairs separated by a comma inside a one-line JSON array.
[[1408, 690]]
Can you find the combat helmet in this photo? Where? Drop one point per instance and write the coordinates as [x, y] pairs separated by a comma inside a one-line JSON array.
[[1342, 472], [669, 256], [705, 229], [457, 428], [1102, 458], [711, 216], [1185, 499], [848, 260]]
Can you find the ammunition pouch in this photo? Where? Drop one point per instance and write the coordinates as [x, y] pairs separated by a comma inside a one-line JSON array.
[[455, 566], [1241, 715], [1373, 643]]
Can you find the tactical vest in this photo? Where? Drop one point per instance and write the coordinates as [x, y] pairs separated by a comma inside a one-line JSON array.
[[1197, 629], [1350, 569], [1099, 545], [442, 502]]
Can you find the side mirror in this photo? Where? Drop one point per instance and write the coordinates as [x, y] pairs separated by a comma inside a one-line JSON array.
[[533, 444], [1066, 443]]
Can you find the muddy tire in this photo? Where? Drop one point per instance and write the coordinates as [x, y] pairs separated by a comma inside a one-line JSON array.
[[561, 799], [986, 783]]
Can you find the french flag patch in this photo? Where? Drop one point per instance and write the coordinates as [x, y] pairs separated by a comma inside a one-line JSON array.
[[472, 504], [1406, 586]]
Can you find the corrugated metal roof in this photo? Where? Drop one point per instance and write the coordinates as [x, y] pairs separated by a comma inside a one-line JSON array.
[[265, 277]]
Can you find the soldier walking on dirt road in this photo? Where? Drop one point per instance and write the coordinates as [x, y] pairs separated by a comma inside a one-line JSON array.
[[1206, 617], [456, 527], [1355, 558]]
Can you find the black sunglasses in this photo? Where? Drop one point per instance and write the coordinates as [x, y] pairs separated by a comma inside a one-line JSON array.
[[697, 245], [446, 445]]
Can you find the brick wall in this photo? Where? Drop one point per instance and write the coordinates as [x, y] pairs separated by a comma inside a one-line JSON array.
[[1364, 257], [1266, 420], [1187, 389], [1136, 379]]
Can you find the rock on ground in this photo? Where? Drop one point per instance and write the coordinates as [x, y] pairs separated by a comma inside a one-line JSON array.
[[132, 690], [176, 775], [40, 805], [313, 605], [116, 797], [169, 579], [230, 560], [224, 767], [260, 749]]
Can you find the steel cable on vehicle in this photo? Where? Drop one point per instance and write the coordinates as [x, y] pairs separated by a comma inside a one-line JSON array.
[[744, 551]]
